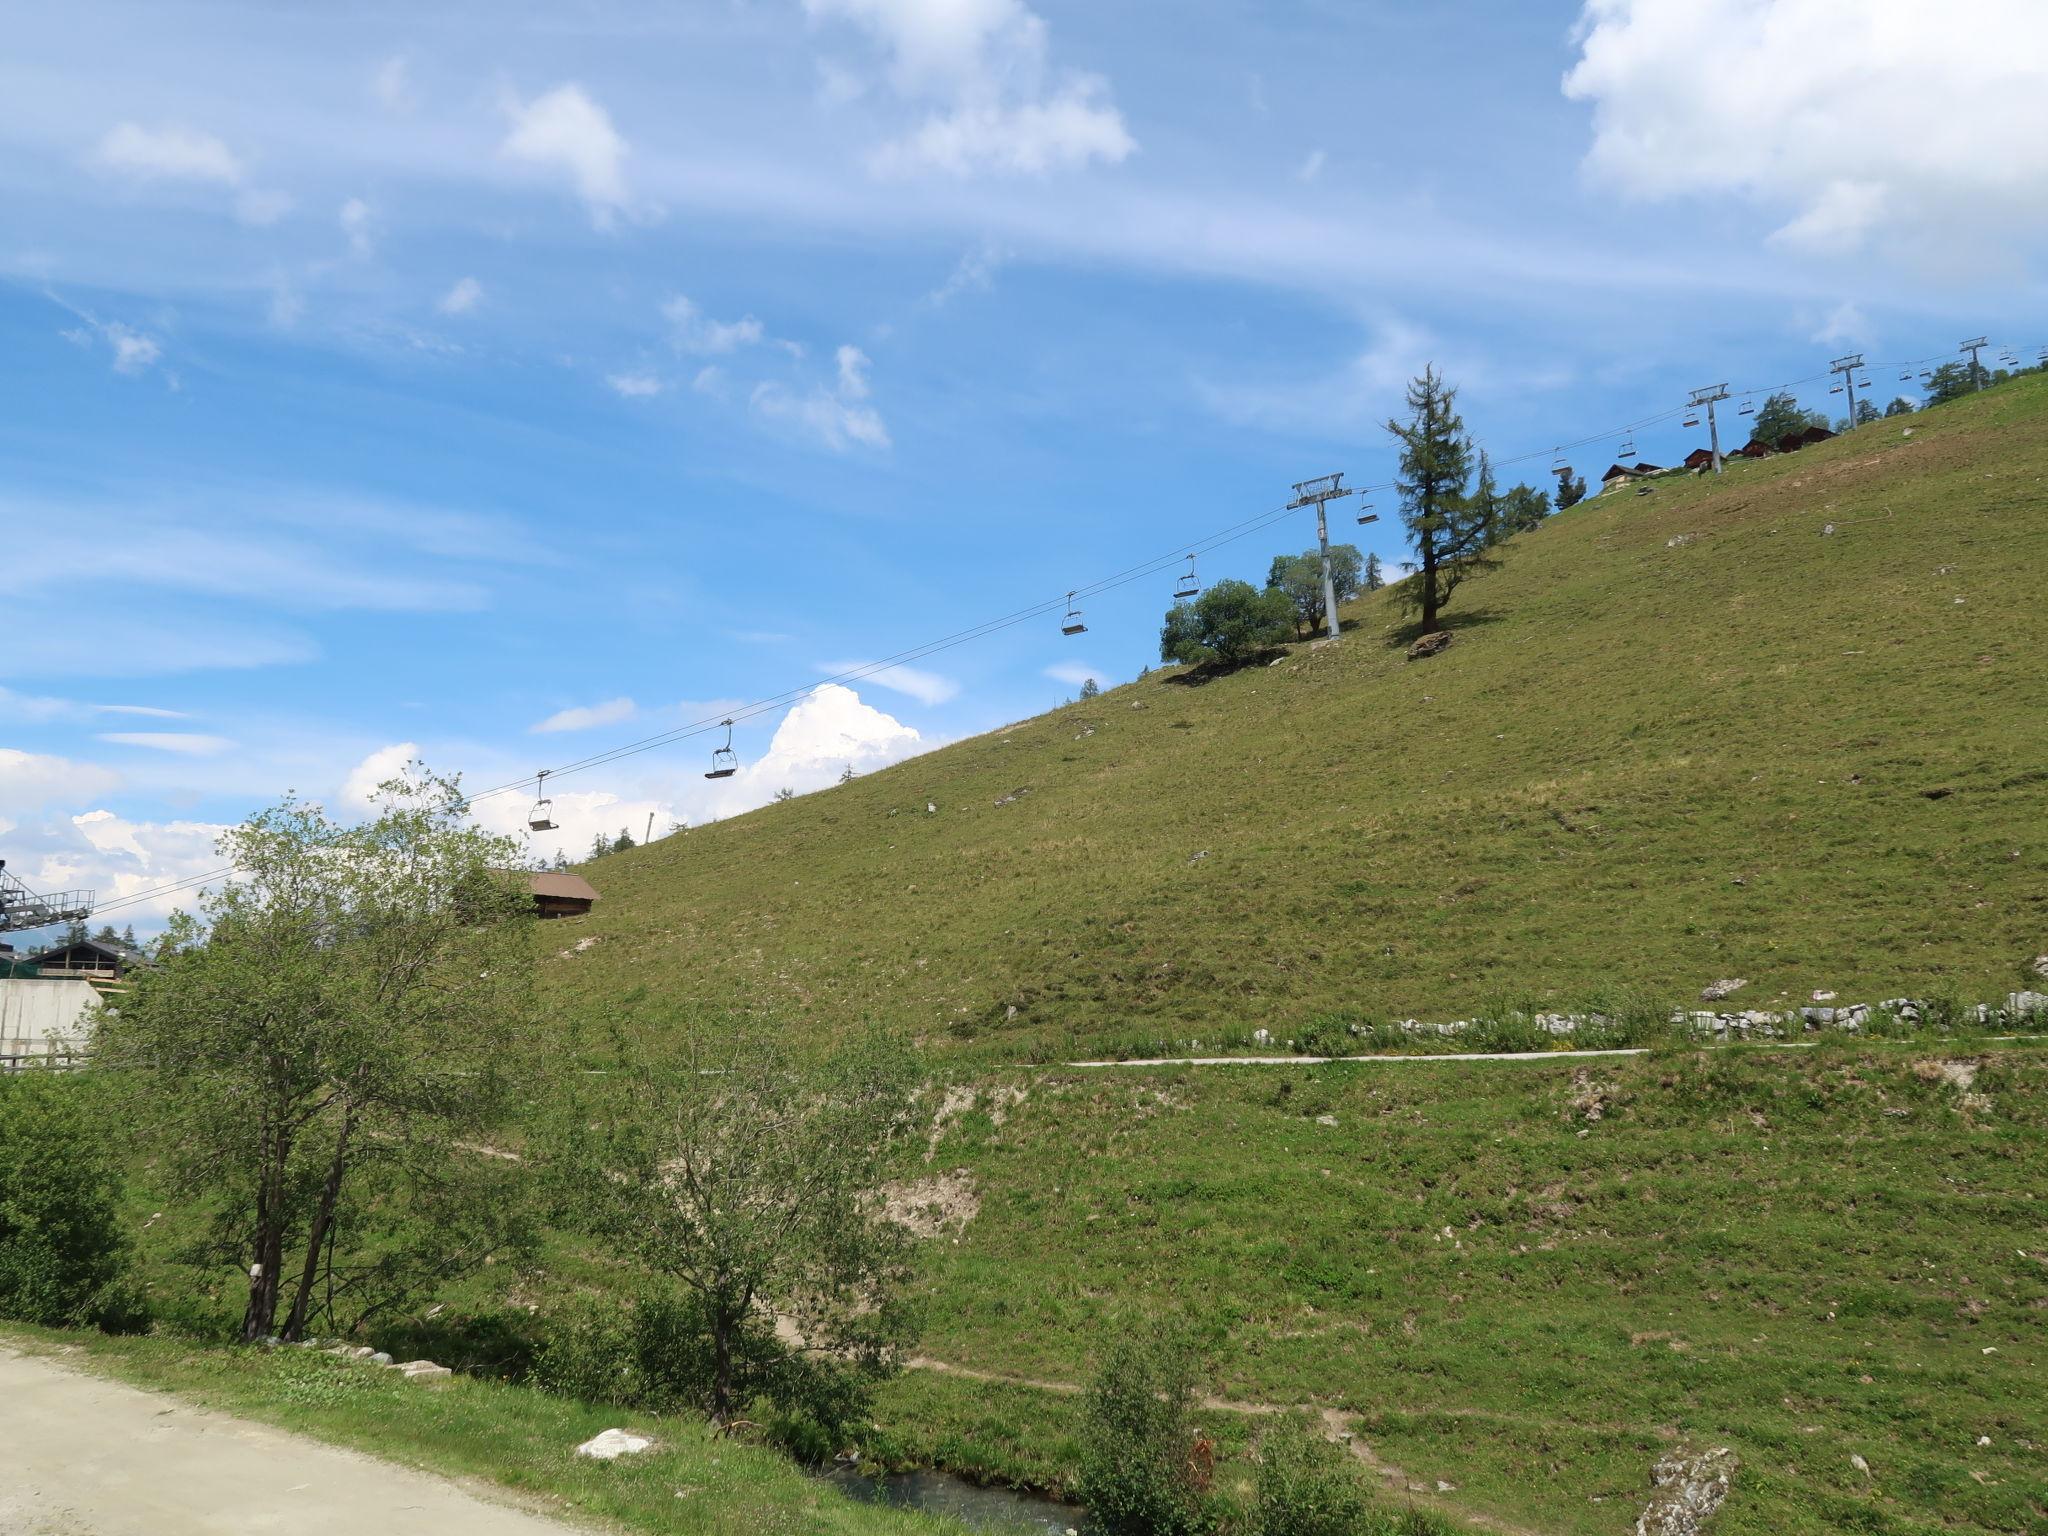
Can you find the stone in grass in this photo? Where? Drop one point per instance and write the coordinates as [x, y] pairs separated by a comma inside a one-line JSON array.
[[1714, 991], [1687, 1486], [613, 1444], [425, 1370], [1430, 645]]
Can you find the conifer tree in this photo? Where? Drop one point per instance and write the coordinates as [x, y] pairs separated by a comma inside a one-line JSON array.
[[1450, 529], [1374, 578]]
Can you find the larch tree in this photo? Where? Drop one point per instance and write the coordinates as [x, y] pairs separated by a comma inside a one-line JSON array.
[[315, 1046], [1373, 577], [1450, 530]]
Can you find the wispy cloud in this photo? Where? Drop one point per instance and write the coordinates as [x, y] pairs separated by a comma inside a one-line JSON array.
[[912, 682], [696, 333], [462, 298], [184, 743], [38, 709], [585, 717], [634, 386], [1073, 673], [837, 417]]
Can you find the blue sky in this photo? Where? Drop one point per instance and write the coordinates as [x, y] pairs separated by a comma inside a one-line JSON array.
[[416, 377]]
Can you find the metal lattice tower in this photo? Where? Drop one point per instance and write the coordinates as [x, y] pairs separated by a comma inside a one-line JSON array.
[[22, 909], [1318, 493]]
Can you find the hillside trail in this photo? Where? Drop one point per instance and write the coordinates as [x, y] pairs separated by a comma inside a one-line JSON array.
[[1339, 1426]]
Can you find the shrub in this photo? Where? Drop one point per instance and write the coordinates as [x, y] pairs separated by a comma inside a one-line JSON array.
[[63, 1260], [1227, 625], [1305, 1486], [1140, 1475]]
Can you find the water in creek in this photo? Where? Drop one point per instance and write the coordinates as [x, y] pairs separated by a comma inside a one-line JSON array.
[[997, 1511]]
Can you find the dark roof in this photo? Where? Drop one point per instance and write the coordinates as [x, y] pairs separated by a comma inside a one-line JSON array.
[[1698, 457], [559, 885], [113, 949]]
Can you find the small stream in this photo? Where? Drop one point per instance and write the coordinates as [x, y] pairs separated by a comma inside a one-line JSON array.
[[997, 1511]]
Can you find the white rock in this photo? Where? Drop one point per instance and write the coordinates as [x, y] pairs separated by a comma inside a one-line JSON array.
[[1326, 1119], [425, 1370], [1860, 1465], [613, 1444]]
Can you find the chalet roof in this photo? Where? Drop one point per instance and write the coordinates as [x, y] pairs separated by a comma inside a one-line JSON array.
[[560, 885], [110, 949]]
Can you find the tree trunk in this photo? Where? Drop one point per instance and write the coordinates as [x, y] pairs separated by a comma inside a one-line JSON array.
[[316, 1239], [721, 1367], [261, 1312]]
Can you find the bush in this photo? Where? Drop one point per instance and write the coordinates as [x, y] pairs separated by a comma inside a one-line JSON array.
[[1140, 1475], [1305, 1486], [63, 1260], [656, 1354]]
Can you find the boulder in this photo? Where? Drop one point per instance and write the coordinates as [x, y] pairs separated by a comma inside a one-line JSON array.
[[613, 1444], [424, 1370], [1687, 1486], [1430, 645], [1714, 991]]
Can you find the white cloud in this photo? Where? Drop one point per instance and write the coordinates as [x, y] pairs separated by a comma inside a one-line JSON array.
[[391, 84], [709, 380], [1358, 394], [357, 223], [634, 386], [462, 298], [1844, 324], [692, 331], [174, 153], [1073, 673], [38, 710], [584, 717], [914, 682], [32, 779], [184, 743], [984, 65], [1864, 118], [1312, 168], [837, 417], [359, 788], [566, 132], [262, 207], [975, 272], [133, 351], [823, 735]]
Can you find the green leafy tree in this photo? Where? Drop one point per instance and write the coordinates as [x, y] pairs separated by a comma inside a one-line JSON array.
[[1231, 622], [1301, 578], [1373, 578], [1140, 1472], [1526, 508], [1952, 381], [1449, 529], [785, 793], [62, 1254], [315, 1046], [746, 1183], [1571, 490], [1780, 416], [623, 841], [1900, 406]]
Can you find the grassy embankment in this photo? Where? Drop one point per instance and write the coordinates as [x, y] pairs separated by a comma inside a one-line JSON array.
[[1528, 1280], [520, 1440], [1679, 737]]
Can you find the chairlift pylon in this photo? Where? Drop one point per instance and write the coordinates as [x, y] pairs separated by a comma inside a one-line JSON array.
[[1071, 624], [724, 761], [1187, 586], [542, 817]]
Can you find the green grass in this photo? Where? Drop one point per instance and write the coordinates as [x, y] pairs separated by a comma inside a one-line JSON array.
[[519, 1439], [1806, 1255], [1642, 766]]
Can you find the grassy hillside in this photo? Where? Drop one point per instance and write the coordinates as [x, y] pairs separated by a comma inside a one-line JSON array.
[[1528, 1280], [1679, 737]]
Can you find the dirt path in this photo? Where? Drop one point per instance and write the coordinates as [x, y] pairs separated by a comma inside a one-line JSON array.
[[89, 1457], [1337, 1424]]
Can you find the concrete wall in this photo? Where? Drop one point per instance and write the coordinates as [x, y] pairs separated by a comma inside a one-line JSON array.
[[35, 1011]]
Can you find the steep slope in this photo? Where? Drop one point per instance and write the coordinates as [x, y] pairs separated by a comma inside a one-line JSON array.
[[1787, 726]]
